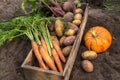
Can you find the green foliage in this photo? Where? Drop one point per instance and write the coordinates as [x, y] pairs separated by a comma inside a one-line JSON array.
[[22, 26], [10, 29], [36, 5], [111, 4], [78, 3]]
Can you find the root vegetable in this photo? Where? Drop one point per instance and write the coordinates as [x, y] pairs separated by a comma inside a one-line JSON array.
[[69, 16], [76, 22], [61, 40], [59, 27], [56, 39], [59, 51], [78, 16], [69, 40], [69, 32], [67, 6], [43, 43], [87, 66], [73, 26], [38, 55], [56, 9], [57, 60], [66, 50], [89, 55], [46, 57], [78, 10]]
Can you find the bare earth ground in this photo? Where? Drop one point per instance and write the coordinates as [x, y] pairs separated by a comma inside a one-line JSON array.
[[106, 66]]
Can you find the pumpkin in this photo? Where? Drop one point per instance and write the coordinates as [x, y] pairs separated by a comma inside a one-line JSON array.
[[98, 39]]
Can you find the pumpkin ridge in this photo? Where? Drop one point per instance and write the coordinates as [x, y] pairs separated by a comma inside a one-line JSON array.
[[99, 30], [87, 43], [96, 40], [99, 33], [101, 42], [92, 42], [90, 45]]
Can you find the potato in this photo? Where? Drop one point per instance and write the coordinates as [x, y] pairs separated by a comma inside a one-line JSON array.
[[87, 66], [73, 26], [89, 55], [69, 32], [69, 40], [78, 16], [66, 50], [59, 27], [61, 40], [69, 16], [67, 6], [76, 22], [78, 10]]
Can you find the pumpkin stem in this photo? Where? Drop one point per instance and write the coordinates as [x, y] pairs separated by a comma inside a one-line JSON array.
[[93, 33]]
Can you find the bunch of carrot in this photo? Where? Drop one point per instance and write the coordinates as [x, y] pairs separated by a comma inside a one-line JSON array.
[[46, 49]]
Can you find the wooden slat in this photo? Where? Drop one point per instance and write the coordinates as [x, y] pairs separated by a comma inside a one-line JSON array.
[[75, 48], [35, 73], [28, 59], [32, 72]]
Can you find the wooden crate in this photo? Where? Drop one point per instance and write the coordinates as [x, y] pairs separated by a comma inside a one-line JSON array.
[[35, 73]]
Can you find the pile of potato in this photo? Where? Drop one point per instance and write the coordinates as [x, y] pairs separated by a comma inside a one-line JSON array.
[[65, 30], [64, 37], [72, 15], [88, 55]]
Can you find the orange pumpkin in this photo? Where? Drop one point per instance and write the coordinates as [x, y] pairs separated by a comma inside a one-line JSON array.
[[98, 39]]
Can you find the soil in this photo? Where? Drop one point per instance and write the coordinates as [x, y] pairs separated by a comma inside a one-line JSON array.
[[106, 66]]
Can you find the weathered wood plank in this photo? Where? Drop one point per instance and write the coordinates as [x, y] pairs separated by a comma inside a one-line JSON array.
[[75, 48]]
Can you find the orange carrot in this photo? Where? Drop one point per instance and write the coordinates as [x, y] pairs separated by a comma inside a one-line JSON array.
[[57, 60], [47, 58], [56, 39], [37, 54], [58, 49], [43, 43]]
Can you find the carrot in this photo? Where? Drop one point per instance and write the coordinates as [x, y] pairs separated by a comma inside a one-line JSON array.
[[47, 58], [58, 49], [56, 39], [43, 43], [37, 54], [57, 60]]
